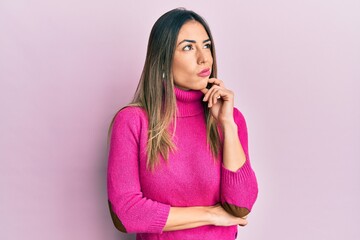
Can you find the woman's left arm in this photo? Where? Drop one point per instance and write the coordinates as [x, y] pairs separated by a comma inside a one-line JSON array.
[[239, 188], [233, 153]]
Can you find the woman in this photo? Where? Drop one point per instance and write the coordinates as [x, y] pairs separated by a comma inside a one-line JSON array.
[[178, 159]]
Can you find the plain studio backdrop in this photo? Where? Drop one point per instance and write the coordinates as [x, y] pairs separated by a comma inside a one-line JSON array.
[[66, 67]]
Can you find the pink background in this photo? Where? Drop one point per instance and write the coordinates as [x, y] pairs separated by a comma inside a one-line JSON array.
[[67, 66]]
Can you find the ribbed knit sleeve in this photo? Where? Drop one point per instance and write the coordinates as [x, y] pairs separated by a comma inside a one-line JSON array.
[[239, 189], [130, 210]]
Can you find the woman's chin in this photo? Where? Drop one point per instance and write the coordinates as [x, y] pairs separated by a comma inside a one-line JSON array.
[[203, 84], [195, 86], [200, 85]]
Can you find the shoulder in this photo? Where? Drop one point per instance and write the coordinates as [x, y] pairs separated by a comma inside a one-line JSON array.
[[131, 111], [130, 115]]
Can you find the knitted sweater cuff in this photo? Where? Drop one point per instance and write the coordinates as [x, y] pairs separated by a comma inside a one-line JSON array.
[[243, 174], [160, 218]]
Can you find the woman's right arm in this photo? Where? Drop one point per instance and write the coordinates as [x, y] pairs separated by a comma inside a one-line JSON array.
[[190, 217], [130, 210]]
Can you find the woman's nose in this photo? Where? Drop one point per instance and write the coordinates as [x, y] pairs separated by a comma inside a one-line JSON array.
[[202, 58]]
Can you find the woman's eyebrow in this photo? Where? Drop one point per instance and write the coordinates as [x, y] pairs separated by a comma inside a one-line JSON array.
[[192, 41]]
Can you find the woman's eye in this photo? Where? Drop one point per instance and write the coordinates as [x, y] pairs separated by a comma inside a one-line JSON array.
[[207, 45], [187, 47]]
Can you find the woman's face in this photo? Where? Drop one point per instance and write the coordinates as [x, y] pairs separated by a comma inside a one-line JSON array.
[[192, 63]]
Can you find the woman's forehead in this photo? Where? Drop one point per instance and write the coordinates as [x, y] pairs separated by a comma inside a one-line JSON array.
[[192, 30]]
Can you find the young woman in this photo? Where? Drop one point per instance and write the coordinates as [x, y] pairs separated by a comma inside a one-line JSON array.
[[178, 165]]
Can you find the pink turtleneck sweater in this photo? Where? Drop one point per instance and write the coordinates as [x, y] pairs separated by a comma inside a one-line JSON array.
[[140, 201]]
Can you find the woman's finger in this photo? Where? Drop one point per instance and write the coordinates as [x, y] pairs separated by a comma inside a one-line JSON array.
[[213, 96], [209, 92], [216, 96], [217, 82], [243, 224]]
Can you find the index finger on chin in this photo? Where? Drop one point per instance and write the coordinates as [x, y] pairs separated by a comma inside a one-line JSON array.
[[216, 81]]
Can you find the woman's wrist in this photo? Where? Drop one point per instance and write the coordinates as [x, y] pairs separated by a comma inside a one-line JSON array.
[[210, 215], [204, 214], [229, 125]]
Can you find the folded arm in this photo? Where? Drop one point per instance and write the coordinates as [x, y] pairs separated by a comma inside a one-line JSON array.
[[239, 186]]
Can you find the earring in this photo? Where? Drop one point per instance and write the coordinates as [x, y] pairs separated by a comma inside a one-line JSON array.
[[163, 75]]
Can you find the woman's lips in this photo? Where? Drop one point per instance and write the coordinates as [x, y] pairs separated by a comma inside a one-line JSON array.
[[204, 73]]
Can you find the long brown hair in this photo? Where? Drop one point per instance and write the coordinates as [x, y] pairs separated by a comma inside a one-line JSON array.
[[155, 91]]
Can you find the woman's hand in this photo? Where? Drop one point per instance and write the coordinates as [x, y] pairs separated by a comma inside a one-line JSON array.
[[219, 217], [220, 101]]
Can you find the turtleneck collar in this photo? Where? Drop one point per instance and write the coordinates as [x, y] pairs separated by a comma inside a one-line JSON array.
[[189, 102]]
